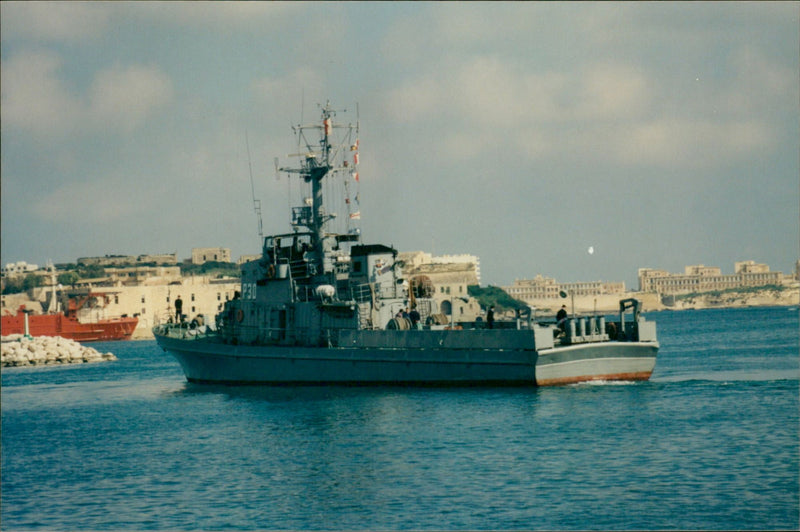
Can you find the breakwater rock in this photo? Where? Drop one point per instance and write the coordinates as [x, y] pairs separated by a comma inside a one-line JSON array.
[[18, 350]]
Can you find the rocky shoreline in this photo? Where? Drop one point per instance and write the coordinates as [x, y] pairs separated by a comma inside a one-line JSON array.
[[19, 350]]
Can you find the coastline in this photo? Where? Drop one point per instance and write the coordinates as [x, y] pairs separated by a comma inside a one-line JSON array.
[[653, 302], [609, 303]]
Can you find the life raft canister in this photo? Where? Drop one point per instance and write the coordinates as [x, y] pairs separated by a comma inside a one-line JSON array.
[[239, 315]]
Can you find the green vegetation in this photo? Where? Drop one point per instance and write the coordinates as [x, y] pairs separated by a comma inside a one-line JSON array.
[[214, 268], [494, 295], [732, 291], [16, 285], [68, 278], [92, 271]]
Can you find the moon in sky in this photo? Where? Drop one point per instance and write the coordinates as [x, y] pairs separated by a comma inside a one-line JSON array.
[[591, 250]]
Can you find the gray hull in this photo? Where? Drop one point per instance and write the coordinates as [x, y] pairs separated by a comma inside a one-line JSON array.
[[209, 362], [212, 362], [607, 361]]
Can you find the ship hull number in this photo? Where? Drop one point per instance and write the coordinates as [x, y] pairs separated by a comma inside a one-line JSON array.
[[248, 291]]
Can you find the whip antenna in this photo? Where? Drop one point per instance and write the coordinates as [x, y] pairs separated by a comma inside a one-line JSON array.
[[256, 202]]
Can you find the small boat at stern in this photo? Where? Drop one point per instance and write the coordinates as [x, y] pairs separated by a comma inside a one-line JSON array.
[[321, 307]]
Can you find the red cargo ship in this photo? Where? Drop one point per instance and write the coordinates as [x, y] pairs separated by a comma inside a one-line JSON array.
[[68, 325]]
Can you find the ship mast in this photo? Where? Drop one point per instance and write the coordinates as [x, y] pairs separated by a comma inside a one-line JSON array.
[[318, 162]]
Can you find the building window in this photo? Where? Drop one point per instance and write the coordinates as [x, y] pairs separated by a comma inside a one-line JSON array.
[[144, 311], [219, 297], [192, 297], [142, 301], [193, 311]]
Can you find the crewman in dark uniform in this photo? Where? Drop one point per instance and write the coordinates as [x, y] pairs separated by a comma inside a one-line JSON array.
[[561, 317]]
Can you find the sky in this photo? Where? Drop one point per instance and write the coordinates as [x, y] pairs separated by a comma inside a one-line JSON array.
[[658, 134]]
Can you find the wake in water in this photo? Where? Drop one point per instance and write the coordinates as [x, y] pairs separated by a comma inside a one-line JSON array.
[[601, 382]]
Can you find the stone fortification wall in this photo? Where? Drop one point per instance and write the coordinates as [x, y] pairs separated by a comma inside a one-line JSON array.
[[19, 350]]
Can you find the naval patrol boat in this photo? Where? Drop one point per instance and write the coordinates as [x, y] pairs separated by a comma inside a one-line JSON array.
[[322, 307]]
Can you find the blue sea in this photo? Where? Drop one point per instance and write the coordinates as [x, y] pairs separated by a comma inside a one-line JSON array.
[[710, 442]]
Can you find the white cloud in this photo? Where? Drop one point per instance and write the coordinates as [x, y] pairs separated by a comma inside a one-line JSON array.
[[36, 99], [126, 96], [607, 84], [33, 96], [101, 201], [612, 92], [612, 112], [682, 142], [285, 88], [760, 84], [217, 16], [55, 21]]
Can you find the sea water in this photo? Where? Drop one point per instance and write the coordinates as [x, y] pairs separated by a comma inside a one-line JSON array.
[[710, 442]]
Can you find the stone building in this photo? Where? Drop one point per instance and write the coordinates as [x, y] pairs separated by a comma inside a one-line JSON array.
[[749, 266], [144, 274], [203, 255], [161, 259], [450, 281], [700, 278], [19, 268], [539, 288]]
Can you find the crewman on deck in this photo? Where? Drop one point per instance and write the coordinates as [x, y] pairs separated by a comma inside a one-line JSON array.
[[415, 317], [561, 317]]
